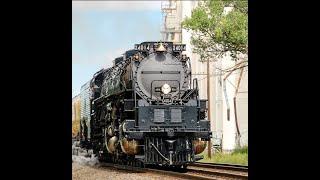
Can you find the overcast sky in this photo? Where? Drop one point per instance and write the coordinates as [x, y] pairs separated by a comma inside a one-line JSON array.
[[103, 30]]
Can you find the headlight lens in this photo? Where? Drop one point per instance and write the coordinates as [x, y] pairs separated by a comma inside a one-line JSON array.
[[166, 88]]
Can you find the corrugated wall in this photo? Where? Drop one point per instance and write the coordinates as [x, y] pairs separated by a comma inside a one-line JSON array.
[[85, 105]]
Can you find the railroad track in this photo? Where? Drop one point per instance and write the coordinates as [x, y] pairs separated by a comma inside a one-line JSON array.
[[219, 171], [193, 171], [203, 171], [234, 167]]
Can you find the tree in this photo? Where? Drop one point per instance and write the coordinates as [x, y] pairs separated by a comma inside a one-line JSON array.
[[216, 32], [220, 27]]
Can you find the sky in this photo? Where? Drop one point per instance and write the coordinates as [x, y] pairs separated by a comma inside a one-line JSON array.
[[103, 30]]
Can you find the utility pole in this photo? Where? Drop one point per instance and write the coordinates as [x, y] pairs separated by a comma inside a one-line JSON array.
[[208, 96]]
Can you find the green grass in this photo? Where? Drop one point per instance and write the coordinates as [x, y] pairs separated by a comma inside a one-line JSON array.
[[238, 156]]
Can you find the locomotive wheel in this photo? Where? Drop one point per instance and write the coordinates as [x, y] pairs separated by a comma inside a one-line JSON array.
[[182, 168]]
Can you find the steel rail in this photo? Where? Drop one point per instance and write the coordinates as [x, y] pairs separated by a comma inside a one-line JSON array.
[[234, 167]]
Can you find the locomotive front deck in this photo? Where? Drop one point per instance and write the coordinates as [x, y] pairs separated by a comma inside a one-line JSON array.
[[170, 133], [169, 120]]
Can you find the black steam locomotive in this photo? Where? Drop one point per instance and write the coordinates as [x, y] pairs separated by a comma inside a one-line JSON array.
[[146, 109]]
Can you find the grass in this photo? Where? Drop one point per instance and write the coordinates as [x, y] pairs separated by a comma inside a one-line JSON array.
[[238, 156]]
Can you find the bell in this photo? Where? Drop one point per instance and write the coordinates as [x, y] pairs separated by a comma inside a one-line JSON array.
[[161, 48]]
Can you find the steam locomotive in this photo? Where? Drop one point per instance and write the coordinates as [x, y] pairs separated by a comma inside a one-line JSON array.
[[145, 109]]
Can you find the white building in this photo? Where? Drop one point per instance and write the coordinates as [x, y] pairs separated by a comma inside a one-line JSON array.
[[224, 130]]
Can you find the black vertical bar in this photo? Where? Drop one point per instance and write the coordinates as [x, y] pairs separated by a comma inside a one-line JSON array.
[[146, 149], [153, 151], [158, 148]]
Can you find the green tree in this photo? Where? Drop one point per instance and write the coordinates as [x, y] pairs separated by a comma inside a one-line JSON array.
[[220, 27], [216, 32]]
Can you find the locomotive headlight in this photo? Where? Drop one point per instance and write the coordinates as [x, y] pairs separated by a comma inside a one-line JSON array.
[[166, 88]]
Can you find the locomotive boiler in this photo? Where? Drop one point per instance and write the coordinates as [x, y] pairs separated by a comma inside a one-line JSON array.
[[145, 108]]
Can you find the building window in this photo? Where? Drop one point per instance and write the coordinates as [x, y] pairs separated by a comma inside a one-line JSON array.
[[172, 36]]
